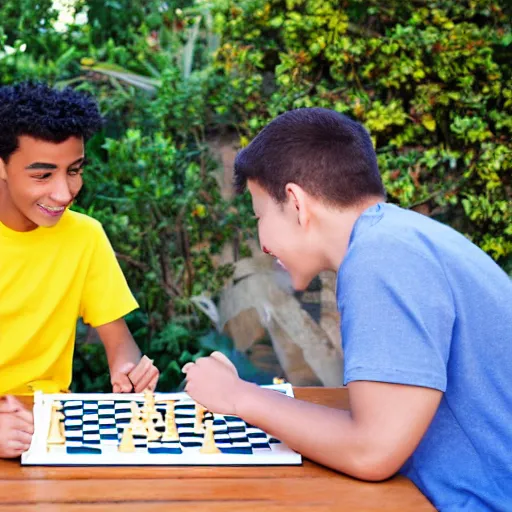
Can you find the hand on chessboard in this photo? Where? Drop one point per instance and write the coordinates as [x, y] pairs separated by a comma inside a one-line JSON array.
[[214, 383], [130, 377], [16, 427]]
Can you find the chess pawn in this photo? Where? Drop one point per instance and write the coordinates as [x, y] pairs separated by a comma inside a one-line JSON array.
[[56, 432], [127, 444], [209, 446], [171, 432]]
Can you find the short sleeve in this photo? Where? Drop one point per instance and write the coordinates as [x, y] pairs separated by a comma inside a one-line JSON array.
[[106, 296], [397, 315]]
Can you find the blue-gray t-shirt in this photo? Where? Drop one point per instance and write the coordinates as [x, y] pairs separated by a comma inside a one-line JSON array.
[[421, 305]]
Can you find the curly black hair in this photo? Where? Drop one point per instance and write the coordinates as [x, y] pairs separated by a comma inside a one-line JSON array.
[[42, 112]]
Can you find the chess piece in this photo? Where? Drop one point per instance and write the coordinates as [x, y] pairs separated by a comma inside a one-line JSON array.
[[157, 418], [152, 414], [209, 446], [149, 404], [152, 433], [149, 399], [149, 410], [56, 431], [137, 424], [198, 425], [62, 429], [171, 432], [127, 444]]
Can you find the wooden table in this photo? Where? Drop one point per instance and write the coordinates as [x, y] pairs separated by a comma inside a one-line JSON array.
[[309, 487]]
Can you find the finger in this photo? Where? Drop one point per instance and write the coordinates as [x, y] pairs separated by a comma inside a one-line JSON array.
[[138, 372], [9, 404], [21, 424], [187, 367], [219, 356], [154, 382], [124, 383], [23, 437], [116, 388], [146, 379], [16, 448], [25, 415]]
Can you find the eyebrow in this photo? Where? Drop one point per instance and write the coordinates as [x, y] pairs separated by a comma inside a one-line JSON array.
[[43, 165]]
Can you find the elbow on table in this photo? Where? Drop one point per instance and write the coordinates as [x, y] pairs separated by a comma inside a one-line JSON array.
[[376, 467]]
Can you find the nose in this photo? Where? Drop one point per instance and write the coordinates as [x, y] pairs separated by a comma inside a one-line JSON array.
[[61, 192]]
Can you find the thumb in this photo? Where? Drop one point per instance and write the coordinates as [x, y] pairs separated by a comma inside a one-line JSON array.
[[187, 367], [219, 356], [9, 404]]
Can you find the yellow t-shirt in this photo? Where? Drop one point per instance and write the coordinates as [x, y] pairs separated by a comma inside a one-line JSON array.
[[48, 278]]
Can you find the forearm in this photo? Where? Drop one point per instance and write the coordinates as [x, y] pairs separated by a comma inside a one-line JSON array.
[[119, 344], [325, 435], [385, 424], [124, 351]]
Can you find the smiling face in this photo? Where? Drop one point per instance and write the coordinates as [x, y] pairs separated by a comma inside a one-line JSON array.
[[286, 232], [39, 181]]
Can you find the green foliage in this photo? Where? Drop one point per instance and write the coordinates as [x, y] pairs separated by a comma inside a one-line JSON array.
[[431, 81], [162, 211], [151, 181]]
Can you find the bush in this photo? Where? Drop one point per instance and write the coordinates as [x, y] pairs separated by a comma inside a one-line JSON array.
[[151, 180], [431, 81]]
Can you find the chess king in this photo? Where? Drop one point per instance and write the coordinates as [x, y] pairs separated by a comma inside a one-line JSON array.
[[56, 264]]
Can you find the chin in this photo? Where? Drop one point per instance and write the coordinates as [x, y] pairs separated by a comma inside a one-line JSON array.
[[300, 283], [46, 223]]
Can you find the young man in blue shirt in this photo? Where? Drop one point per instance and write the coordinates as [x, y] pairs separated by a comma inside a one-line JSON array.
[[426, 322]]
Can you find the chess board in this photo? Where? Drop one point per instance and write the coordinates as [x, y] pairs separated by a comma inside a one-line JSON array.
[[93, 426]]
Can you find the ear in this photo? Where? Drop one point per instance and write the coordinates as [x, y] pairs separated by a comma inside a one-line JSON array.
[[300, 201], [3, 170]]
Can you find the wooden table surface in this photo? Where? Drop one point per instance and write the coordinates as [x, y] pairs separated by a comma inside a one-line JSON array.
[[309, 487]]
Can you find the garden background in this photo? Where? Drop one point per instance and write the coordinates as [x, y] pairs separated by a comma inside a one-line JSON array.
[[183, 83]]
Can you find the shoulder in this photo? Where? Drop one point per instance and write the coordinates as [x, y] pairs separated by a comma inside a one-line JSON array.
[[79, 222], [399, 236], [403, 251]]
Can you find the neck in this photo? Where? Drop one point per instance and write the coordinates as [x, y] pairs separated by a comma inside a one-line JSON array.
[[336, 226]]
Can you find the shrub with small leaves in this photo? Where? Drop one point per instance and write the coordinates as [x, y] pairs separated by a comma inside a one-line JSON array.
[[431, 81]]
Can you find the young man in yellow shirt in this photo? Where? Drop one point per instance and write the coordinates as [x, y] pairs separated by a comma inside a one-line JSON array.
[[55, 264]]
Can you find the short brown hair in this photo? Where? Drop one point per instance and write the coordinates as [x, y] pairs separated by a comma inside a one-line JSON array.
[[326, 153]]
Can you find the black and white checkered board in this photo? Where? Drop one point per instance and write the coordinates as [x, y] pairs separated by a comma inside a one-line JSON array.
[[94, 424]]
